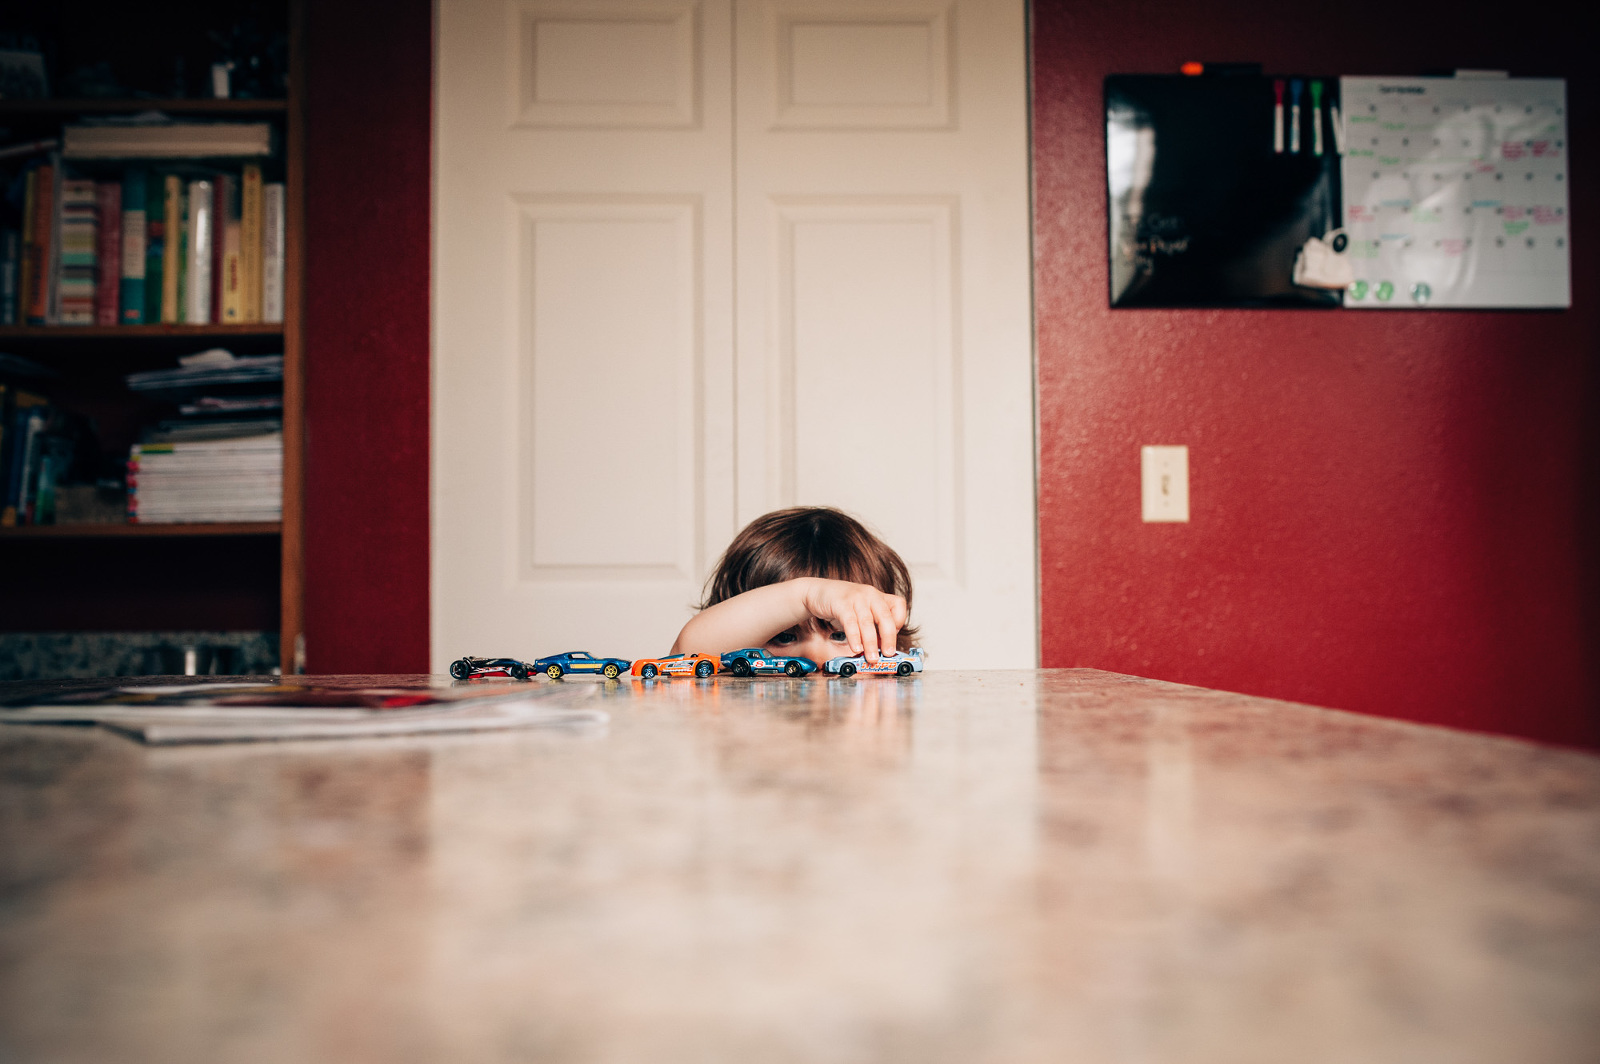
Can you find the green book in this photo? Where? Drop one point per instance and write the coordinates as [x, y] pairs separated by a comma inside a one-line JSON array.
[[135, 234]]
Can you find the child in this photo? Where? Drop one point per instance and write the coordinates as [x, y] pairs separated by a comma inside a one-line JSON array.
[[810, 582]]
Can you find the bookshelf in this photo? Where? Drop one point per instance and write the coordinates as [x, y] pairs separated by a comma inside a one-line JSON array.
[[228, 575]]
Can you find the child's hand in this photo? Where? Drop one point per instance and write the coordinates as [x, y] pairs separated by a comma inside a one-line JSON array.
[[870, 619]]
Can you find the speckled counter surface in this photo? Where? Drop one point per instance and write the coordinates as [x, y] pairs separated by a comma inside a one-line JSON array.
[[958, 867]]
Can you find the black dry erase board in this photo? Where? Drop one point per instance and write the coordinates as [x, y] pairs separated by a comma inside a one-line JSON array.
[[1214, 187]]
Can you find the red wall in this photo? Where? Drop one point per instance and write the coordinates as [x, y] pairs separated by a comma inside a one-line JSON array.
[[368, 199], [1388, 510]]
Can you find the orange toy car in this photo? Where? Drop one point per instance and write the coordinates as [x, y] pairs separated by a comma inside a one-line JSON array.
[[701, 665]]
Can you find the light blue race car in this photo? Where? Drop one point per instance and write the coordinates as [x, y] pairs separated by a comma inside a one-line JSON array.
[[753, 661], [890, 663]]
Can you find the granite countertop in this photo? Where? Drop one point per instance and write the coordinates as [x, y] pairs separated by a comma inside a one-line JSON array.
[[955, 867]]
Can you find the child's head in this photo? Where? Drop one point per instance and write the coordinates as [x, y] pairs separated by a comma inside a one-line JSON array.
[[810, 541]]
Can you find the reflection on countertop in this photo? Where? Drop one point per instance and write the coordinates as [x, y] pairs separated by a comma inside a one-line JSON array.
[[963, 867]]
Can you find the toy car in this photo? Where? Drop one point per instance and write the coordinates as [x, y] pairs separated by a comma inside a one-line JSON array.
[[753, 661], [899, 663], [701, 665], [465, 668], [580, 661]]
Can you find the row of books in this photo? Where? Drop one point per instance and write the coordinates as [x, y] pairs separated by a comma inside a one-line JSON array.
[[37, 446], [150, 247]]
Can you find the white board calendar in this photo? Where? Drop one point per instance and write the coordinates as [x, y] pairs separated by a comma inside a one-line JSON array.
[[1455, 192]]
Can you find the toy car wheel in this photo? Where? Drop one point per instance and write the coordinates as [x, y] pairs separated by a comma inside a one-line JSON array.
[[740, 667], [704, 669], [553, 671], [847, 669], [519, 672], [611, 672], [793, 668], [904, 669], [649, 672], [460, 669]]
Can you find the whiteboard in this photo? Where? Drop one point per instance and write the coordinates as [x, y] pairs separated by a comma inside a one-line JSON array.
[[1455, 192]]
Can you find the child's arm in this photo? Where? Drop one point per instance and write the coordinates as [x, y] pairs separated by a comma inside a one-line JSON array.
[[869, 618]]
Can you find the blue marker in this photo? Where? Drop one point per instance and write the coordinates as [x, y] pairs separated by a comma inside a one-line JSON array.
[[1294, 114]]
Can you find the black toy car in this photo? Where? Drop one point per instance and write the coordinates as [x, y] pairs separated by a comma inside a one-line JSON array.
[[466, 668]]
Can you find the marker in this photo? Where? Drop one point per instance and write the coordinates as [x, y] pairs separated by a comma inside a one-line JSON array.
[[1316, 118], [1338, 127], [1277, 116], [1294, 114]]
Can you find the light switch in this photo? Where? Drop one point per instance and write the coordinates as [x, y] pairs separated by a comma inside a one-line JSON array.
[[1165, 479]]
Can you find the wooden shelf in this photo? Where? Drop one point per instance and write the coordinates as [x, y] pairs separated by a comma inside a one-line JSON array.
[[137, 332], [64, 107], [153, 531]]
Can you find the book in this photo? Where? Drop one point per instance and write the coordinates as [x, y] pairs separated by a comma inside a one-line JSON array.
[[28, 251], [135, 247], [40, 262], [5, 442], [176, 140], [172, 261], [52, 257], [155, 245], [219, 216], [198, 240], [108, 252], [10, 268], [28, 422], [227, 284], [250, 221], [272, 251], [78, 226]]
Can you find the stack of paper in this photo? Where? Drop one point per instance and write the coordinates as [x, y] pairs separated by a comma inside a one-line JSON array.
[[224, 478], [237, 712], [215, 367]]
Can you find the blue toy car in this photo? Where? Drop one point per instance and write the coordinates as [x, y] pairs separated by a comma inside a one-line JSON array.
[[465, 668], [897, 663], [753, 661], [581, 661]]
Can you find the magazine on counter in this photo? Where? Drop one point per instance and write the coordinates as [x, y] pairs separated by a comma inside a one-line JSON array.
[[253, 710]]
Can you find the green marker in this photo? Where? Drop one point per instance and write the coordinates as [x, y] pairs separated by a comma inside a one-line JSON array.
[[1316, 118], [1385, 291], [1358, 290]]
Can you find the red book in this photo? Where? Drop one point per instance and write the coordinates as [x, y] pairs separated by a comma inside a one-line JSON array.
[[108, 253], [39, 267], [219, 211]]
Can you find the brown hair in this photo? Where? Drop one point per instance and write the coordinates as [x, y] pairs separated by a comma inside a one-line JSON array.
[[810, 541]]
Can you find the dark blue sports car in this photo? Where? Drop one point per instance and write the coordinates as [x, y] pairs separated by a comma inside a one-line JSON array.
[[581, 661], [753, 661]]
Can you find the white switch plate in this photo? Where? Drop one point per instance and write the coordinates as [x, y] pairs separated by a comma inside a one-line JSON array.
[[1164, 475]]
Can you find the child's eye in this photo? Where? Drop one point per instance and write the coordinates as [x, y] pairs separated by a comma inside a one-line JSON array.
[[837, 637], [783, 638]]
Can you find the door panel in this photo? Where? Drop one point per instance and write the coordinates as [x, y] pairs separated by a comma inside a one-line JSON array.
[[882, 291], [583, 436]]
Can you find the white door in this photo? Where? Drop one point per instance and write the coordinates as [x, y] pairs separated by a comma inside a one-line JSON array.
[[655, 320]]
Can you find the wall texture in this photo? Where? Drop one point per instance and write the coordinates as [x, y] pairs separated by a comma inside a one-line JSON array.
[[368, 199], [1390, 511]]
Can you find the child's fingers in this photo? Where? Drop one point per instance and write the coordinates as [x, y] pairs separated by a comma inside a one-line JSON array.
[[883, 614], [868, 623], [851, 629]]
